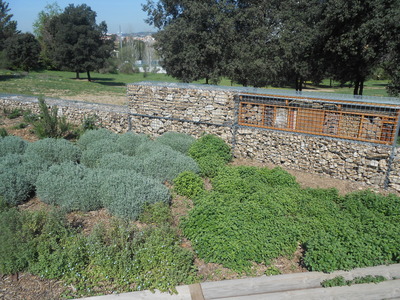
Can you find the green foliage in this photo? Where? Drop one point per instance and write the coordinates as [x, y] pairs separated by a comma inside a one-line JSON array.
[[126, 193], [89, 123], [157, 214], [50, 125], [272, 270], [256, 214], [12, 145], [91, 136], [178, 141], [76, 42], [336, 281], [70, 186], [188, 184], [15, 113], [15, 185], [210, 165], [23, 51], [13, 247], [3, 132], [210, 144], [340, 281]]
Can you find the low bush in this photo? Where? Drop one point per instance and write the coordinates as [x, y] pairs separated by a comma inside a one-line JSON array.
[[119, 161], [178, 141], [14, 248], [126, 193], [340, 281], [40, 155], [210, 144], [3, 132], [96, 150], [188, 184], [70, 186], [210, 165], [130, 141], [12, 145], [91, 136], [15, 184]]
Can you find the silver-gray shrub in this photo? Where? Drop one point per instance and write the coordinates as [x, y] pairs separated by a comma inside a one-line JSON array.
[[163, 163], [178, 141], [130, 141], [119, 161], [125, 193], [15, 185], [91, 136], [71, 186], [44, 153], [12, 145], [96, 150]]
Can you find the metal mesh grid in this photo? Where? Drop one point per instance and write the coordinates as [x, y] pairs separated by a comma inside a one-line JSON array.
[[366, 122]]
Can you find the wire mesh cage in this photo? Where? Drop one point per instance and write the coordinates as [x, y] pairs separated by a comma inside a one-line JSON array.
[[354, 120]]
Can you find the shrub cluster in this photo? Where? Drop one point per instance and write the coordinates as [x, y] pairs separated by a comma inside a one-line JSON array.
[[211, 153], [178, 141], [188, 184], [117, 257], [255, 215], [12, 145]]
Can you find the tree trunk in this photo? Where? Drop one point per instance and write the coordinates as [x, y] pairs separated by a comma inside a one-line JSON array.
[[206, 80], [77, 75], [361, 90], [299, 84], [356, 86], [88, 76]]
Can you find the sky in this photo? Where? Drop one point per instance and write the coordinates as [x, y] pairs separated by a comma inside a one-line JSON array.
[[125, 13]]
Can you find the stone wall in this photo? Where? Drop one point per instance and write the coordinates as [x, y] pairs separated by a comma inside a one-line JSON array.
[[157, 108], [113, 117]]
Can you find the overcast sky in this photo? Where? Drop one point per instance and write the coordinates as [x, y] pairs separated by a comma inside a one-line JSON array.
[[125, 13]]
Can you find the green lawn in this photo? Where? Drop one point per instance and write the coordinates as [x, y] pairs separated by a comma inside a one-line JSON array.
[[63, 84]]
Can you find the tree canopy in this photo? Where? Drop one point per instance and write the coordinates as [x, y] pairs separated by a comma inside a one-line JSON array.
[[76, 43], [7, 27], [22, 51], [276, 42]]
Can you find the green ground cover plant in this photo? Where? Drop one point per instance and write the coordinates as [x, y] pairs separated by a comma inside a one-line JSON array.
[[340, 281], [118, 257], [12, 145], [257, 214]]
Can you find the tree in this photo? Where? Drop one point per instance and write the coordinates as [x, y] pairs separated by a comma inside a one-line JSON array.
[[23, 51], [76, 43], [41, 33], [355, 36], [7, 27], [193, 37]]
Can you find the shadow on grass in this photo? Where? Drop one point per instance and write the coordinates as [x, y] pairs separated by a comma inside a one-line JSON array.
[[11, 77], [102, 81]]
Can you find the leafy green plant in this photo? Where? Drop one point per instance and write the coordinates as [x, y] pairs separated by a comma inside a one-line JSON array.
[[20, 126], [3, 132], [210, 144], [188, 184], [157, 214], [89, 123], [96, 150], [14, 248], [340, 281], [15, 113], [272, 270]]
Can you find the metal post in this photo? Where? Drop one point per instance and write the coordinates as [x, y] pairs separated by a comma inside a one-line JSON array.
[[392, 154]]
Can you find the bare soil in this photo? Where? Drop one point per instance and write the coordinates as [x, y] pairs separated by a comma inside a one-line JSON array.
[[27, 286]]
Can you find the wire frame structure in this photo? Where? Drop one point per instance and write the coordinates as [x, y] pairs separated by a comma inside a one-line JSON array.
[[354, 120]]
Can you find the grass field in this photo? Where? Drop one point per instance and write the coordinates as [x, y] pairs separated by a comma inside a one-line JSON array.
[[112, 87]]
